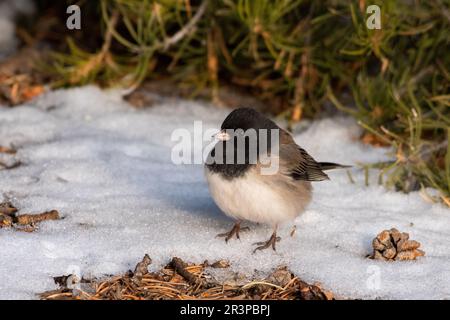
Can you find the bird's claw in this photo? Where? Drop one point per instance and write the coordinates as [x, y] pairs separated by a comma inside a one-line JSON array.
[[266, 244], [234, 231]]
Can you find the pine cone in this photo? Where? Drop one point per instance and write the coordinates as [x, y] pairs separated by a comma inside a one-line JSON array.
[[395, 245]]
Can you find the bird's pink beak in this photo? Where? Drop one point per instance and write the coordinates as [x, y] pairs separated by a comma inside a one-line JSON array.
[[222, 136]]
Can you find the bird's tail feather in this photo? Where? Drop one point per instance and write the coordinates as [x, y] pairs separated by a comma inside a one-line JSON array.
[[331, 165]]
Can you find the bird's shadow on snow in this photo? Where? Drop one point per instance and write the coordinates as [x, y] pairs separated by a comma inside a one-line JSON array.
[[203, 207], [182, 189]]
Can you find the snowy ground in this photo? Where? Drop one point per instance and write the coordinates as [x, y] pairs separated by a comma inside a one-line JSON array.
[[107, 168]]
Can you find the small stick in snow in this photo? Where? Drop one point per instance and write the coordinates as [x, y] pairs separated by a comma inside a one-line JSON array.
[[293, 231], [7, 150], [27, 219], [180, 267]]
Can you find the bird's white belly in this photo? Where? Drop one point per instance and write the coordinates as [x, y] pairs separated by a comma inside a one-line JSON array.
[[249, 198]]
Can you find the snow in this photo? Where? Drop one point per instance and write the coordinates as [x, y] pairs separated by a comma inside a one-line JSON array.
[[107, 168]]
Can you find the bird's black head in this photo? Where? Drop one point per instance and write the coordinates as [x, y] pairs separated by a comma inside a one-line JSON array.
[[241, 131], [247, 118]]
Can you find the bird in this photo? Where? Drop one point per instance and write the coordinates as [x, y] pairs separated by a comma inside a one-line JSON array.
[[243, 191]]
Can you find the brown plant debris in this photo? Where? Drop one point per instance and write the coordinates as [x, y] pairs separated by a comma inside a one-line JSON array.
[[5, 221], [7, 160], [19, 81], [27, 219], [220, 264], [180, 280], [152, 92], [181, 268], [6, 208], [395, 245], [142, 267], [374, 140], [23, 222], [7, 150]]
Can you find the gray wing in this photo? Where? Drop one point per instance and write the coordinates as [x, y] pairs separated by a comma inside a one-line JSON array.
[[297, 163]]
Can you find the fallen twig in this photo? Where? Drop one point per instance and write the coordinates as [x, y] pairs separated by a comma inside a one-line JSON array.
[[23, 222], [180, 267], [7, 150], [27, 219]]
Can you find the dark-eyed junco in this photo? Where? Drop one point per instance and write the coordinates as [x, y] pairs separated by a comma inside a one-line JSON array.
[[238, 185]]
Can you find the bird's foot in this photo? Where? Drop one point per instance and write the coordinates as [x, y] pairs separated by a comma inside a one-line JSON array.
[[234, 231], [266, 244]]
